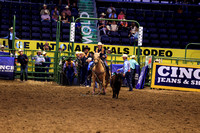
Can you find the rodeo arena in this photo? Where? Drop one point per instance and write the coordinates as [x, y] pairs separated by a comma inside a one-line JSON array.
[[95, 66]]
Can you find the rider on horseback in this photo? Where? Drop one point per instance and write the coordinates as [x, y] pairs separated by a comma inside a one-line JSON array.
[[103, 56]]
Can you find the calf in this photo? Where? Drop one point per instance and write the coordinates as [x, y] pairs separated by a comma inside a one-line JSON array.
[[116, 82]]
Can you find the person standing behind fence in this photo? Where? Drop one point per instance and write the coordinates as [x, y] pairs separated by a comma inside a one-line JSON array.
[[39, 59], [70, 71], [46, 64], [23, 60], [133, 64], [126, 71], [10, 38], [2, 48]]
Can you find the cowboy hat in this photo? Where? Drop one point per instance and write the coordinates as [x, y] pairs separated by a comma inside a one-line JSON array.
[[89, 59], [103, 14], [67, 7], [86, 48], [44, 52], [81, 52], [77, 52], [39, 51], [20, 50], [44, 5], [124, 55], [11, 28], [133, 56], [157, 60], [99, 43]]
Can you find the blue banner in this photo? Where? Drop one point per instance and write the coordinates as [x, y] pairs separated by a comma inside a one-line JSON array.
[[4, 53], [7, 67], [137, 73], [141, 81], [115, 67], [176, 76]]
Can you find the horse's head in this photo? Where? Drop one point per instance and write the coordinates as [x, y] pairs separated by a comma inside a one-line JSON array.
[[96, 57]]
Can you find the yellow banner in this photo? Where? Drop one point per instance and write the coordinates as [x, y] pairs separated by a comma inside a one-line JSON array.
[[145, 51]]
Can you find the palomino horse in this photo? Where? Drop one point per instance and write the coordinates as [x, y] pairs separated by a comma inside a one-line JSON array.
[[99, 74]]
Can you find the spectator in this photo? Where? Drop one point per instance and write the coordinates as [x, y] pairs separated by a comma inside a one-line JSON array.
[[39, 59], [10, 38], [64, 18], [133, 28], [133, 63], [55, 11], [2, 48], [124, 25], [54, 17], [42, 12], [46, 47], [60, 49], [134, 36], [23, 60], [78, 26], [67, 12], [70, 71], [111, 9], [113, 26], [45, 16], [109, 51], [86, 51], [121, 15], [90, 62], [102, 24], [126, 71], [74, 6], [46, 64], [112, 15]]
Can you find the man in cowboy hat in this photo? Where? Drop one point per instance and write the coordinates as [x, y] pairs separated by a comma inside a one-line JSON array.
[[90, 62], [102, 24], [45, 16], [10, 38], [126, 71], [133, 63], [86, 51], [42, 12], [2, 48], [23, 60], [46, 64], [67, 12], [70, 71], [39, 59]]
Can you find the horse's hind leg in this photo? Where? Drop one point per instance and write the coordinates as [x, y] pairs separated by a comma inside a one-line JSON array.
[[104, 84], [93, 83]]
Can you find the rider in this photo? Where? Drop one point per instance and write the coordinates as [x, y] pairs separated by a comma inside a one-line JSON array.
[[103, 56]]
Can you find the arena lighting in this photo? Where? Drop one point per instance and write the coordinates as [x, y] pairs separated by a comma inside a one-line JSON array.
[[140, 36], [72, 35]]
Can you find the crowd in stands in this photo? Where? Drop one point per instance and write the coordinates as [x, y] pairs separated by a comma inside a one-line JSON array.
[[38, 21], [164, 25]]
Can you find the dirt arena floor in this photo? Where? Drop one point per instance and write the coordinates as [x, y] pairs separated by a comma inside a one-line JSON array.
[[47, 107]]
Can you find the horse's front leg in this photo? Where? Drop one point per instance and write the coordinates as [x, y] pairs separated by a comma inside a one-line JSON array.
[[93, 83], [104, 83]]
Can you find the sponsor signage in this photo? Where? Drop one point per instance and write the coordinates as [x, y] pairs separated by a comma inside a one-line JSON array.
[[145, 51], [7, 67], [177, 77]]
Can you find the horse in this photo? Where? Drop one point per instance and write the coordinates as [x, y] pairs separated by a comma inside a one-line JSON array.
[[99, 74]]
